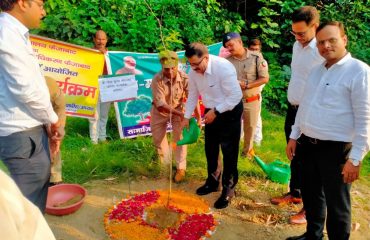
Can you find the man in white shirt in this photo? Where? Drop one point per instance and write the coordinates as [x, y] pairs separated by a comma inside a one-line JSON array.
[[305, 56], [98, 125], [333, 129], [214, 78], [19, 218], [24, 102]]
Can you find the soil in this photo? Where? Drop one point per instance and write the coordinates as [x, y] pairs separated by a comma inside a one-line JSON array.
[[250, 215], [69, 202]]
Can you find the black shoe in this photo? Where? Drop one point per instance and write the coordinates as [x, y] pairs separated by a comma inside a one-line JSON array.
[[222, 202], [206, 189], [301, 237], [304, 237]]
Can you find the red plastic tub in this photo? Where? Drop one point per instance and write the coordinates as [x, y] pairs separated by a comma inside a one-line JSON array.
[[60, 194]]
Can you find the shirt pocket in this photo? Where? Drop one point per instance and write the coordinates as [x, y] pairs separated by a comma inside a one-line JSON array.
[[333, 94], [250, 72], [251, 77], [178, 93], [213, 88]]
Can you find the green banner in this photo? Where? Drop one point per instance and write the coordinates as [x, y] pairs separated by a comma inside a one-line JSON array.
[[133, 116]]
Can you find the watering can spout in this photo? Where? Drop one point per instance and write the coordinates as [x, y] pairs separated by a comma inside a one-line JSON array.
[[263, 165]]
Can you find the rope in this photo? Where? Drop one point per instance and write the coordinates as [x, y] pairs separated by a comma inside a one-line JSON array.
[[172, 145], [129, 181]]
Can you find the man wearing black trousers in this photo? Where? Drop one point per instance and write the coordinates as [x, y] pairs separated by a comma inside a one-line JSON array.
[[305, 56], [333, 128], [215, 79]]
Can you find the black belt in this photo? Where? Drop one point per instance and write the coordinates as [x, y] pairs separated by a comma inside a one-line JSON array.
[[326, 143], [316, 141], [311, 140], [240, 104]]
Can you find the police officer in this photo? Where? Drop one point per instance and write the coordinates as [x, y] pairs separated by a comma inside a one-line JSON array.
[[169, 90], [252, 72]]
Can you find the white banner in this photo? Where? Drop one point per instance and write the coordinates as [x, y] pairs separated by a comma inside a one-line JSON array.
[[117, 87]]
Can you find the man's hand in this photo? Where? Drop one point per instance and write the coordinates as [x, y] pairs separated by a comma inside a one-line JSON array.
[[180, 114], [350, 173], [54, 127], [185, 123], [56, 131], [290, 149], [243, 84], [209, 116], [54, 147], [59, 134]]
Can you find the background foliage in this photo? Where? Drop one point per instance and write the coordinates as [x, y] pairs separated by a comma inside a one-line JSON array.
[[151, 25], [138, 25], [270, 21]]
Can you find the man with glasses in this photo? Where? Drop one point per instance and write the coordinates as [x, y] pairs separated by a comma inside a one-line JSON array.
[[25, 106], [305, 56], [333, 128], [215, 80], [252, 72]]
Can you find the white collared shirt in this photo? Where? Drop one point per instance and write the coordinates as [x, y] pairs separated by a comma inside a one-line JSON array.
[[336, 105], [24, 95], [303, 60], [19, 218], [218, 86]]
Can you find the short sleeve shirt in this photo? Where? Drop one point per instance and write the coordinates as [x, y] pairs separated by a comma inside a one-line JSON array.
[[161, 90], [251, 67]]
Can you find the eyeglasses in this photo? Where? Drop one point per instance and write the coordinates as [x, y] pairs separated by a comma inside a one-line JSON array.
[[331, 41], [40, 4], [300, 34], [193, 65]]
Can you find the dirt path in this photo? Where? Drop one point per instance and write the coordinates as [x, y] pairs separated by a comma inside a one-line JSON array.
[[250, 215]]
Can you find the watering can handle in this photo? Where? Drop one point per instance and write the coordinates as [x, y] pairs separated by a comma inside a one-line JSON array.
[[277, 161]]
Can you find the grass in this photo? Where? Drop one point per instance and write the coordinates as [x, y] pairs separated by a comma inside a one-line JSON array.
[[83, 161]]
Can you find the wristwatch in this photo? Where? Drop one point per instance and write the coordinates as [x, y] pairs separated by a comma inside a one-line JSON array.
[[216, 112], [354, 163]]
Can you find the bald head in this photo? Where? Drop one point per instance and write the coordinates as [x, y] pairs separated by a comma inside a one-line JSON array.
[[100, 41]]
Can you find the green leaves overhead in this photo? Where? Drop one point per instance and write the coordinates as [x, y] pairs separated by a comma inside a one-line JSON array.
[[141, 25]]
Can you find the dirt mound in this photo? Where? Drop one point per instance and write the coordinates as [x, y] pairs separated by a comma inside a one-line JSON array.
[[250, 216]]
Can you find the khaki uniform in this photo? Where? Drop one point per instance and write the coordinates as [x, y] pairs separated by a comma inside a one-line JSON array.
[[161, 90], [251, 67], [59, 106]]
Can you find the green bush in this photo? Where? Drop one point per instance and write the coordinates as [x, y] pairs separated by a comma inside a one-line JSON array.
[[275, 92], [270, 21], [142, 25]]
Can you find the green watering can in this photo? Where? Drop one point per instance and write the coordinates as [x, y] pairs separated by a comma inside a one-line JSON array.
[[190, 135], [277, 171]]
